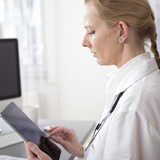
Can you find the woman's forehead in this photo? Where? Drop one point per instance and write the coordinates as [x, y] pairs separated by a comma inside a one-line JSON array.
[[90, 18]]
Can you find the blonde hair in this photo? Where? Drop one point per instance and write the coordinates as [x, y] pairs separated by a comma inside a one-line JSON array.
[[135, 13]]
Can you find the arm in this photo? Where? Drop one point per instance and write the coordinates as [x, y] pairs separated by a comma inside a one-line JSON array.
[[68, 139]]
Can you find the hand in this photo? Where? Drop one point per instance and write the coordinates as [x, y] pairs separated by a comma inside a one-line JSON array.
[[68, 139], [34, 153]]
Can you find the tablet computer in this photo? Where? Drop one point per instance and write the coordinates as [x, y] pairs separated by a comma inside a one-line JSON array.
[[28, 130]]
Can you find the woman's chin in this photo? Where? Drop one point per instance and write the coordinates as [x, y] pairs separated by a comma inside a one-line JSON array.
[[100, 62]]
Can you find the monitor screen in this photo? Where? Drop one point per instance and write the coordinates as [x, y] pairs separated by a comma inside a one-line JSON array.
[[9, 69]]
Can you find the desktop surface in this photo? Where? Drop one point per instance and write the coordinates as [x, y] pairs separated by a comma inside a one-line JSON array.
[[82, 128]]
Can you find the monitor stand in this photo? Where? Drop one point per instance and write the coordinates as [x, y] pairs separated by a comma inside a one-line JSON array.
[[0, 130]]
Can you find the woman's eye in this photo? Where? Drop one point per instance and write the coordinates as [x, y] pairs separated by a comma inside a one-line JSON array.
[[91, 32]]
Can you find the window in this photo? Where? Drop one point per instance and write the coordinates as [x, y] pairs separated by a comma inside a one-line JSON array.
[[22, 19]]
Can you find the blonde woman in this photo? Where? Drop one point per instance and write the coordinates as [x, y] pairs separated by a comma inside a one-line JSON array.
[[116, 34]]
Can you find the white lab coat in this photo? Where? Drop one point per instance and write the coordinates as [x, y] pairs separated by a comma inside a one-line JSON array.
[[132, 132]]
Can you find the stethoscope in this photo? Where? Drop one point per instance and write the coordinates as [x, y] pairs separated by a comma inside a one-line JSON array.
[[100, 125]]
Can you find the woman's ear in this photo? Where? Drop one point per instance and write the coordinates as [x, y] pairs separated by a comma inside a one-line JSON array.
[[123, 31]]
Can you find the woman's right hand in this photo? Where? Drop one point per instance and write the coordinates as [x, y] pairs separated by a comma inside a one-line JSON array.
[[68, 139]]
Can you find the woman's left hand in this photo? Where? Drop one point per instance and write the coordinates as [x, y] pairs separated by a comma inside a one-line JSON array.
[[34, 153]]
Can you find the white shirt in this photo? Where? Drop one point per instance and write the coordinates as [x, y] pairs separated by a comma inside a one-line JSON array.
[[132, 132], [115, 77]]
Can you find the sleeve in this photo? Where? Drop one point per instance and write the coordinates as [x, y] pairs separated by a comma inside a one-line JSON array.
[[132, 137]]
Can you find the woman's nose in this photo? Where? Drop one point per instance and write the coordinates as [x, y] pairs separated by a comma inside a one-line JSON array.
[[85, 42]]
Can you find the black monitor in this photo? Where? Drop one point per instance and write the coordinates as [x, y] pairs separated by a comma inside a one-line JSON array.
[[10, 86]]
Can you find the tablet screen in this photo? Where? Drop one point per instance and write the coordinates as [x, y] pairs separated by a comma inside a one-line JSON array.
[[21, 123], [29, 131]]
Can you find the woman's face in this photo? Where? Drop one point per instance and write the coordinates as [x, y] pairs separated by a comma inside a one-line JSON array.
[[100, 39]]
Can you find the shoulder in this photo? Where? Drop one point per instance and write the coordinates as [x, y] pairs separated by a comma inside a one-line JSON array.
[[142, 98], [143, 92]]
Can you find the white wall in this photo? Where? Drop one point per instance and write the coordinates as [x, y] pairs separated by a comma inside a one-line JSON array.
[[79, 86]]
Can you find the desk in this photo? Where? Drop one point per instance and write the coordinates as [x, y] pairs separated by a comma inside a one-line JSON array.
[[82, 128]]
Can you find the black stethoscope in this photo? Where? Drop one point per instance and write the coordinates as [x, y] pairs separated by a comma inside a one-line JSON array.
[[100, 125]]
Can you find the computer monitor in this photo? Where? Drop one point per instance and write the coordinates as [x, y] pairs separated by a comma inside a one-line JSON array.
[[10, 86]]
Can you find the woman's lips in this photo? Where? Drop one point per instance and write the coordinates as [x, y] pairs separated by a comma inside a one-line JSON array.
[[94, 53]]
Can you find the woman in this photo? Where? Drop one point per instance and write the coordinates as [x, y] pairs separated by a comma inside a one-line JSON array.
[[116, 33]]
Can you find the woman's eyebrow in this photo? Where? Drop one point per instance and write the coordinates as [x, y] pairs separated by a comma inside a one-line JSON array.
[[87, 26]]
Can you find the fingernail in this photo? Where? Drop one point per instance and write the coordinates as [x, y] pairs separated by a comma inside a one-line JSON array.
[[53, 137]]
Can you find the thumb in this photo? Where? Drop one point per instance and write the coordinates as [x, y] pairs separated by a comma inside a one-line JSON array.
[[34, 148]]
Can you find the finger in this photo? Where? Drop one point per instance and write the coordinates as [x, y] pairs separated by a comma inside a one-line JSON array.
[[65, 134], [25, 144], [49, 136], [34, 149], [58, 130], [30, 154], [53, 128], [59, 140]]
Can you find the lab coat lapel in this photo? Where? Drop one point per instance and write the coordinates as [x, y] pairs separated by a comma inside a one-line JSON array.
[[132, 77], [136, 74]]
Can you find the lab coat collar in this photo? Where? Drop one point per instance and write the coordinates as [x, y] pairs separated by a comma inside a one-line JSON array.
[[136, 74]]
